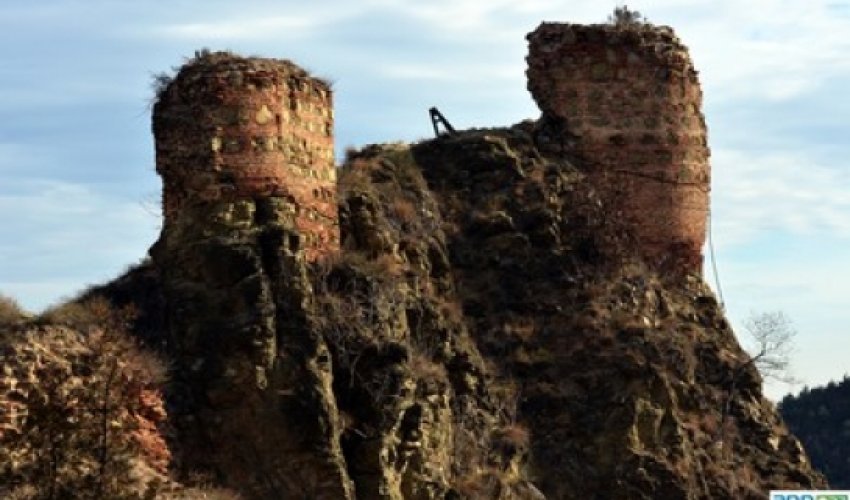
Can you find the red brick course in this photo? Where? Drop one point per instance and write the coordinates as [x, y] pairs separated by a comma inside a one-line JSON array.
[[631, 103], [229, 128]]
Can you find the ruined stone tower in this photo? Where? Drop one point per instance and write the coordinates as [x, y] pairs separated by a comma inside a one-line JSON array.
[[628, 103], [229, 128], [245, 150]]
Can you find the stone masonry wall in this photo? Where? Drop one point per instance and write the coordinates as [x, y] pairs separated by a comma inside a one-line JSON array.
[[230, 128], [629, 102]]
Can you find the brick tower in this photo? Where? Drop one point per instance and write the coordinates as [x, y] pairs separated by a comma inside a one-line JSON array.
[[630, 103], [229, 128]]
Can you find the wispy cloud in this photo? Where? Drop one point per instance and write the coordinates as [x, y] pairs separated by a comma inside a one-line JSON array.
[[768, 49], [59, 233], [471, 73], [755, 193], [246, 28]]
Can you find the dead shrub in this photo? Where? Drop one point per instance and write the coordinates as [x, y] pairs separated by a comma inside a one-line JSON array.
[[520, 327], [480, 485], [387, 267], [355, 177], [75, 405], [424, 368], [514, 436], [453, 310], [625, 18], [94, 312], [403, 211], [710, 423], [10, 311]]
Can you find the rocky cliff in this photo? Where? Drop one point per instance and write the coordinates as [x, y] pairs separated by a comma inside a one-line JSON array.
[[490, 327], [488, 331]]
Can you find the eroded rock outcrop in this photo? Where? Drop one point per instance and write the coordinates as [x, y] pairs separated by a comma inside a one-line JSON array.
[[253, 376], [492, 319], [632, 381], [503, 340]]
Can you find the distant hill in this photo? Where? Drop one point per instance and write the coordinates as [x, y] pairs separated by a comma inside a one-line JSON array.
[[820, 418]]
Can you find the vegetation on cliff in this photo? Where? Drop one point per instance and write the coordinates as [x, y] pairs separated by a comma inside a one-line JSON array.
[[80, 406]]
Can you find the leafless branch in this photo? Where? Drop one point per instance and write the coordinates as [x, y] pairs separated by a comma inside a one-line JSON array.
[[773, 334]]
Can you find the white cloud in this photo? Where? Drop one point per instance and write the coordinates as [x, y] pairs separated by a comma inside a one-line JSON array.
[[754, 193], [246, 28], [767, 49], [57, 233], [470, 73]]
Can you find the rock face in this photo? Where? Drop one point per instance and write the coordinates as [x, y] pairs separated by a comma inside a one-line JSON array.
[[351, 375], [494, 320], [627, 102], [631, 380], [466, 343], [251, 371]]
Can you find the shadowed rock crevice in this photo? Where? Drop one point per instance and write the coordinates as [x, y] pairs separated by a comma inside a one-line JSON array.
[[259, 380]]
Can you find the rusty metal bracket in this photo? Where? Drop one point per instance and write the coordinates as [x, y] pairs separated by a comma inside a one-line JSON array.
[[438, 119]]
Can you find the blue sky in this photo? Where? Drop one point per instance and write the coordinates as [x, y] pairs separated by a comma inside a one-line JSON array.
[[78, 193]]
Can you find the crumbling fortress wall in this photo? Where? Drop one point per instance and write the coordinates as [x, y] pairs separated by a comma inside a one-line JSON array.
[[231, 128], [627, 101]]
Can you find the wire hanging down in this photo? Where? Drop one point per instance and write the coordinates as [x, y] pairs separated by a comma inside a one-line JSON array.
[[714, 263]]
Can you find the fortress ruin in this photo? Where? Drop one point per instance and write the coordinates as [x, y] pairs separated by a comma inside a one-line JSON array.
[[628, 102], [625, 100], [229, 128]]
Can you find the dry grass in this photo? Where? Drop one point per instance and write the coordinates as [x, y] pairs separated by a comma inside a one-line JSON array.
[[208, 493], [516, 436], [10, 311], [95, 312], [424, 368], [403, 210], [453, 310]]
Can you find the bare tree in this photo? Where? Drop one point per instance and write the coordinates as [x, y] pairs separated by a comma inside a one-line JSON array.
[[773, 336]]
